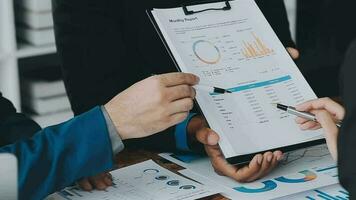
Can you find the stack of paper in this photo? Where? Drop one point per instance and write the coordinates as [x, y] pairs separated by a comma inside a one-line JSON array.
[[304, 173]]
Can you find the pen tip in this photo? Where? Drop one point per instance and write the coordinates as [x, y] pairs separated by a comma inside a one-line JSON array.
[[274, 104], [228, 91]]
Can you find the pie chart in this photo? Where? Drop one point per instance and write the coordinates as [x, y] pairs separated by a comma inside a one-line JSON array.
[[206, 52]]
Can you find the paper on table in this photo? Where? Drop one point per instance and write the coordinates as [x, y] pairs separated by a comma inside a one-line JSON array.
[[269, 188], [315, 159], [333, 192], [146, 180], [238, 50]]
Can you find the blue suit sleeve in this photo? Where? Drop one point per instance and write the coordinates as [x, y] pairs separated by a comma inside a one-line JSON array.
[[181, 134], [59, 155]]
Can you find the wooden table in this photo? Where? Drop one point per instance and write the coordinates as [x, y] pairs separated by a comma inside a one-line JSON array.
[[129, 157]]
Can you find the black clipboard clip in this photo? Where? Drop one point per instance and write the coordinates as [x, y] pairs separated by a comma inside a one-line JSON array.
[[191, 12]]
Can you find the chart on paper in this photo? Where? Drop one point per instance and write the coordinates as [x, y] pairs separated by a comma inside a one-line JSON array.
[[238, 50], [333, 192], [145, 180]]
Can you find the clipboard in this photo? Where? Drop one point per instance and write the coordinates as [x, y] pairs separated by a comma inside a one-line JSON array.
[[240, 160]]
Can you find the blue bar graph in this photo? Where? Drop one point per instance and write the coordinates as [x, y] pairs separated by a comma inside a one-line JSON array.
[[323, 195]]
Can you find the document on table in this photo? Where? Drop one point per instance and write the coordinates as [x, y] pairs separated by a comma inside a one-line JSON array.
[[301, 170], [143, 181], [333, 192], [238, 50]]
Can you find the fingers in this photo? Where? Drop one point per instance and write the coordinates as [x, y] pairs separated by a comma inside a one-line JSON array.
[[267, 160], [222, 167], [180, 92], [306, 124], [108, 179], [177, 78], [326, 121], [258, 167], [294, 53], [310, 125], [85, 185], [244, 174], [182, 105], [177, 118], [323, 103], [300, 120], [207, 136], [330, 129], [100, 182]]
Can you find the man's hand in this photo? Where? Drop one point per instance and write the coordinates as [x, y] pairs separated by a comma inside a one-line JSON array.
[[99, 182], [152, 105], [257, 168], [327, 113], [149, 106], [294, 53]]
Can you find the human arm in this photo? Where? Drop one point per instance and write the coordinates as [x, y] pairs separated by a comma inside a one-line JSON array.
[[148, 107], [327, 113], [57, 156]]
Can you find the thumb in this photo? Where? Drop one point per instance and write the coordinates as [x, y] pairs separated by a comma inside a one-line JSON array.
[[294, 53], [330, 129], [207, 136]]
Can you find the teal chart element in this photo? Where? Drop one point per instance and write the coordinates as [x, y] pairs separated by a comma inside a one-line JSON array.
[[308, 176], [257, 85], [268, 186]]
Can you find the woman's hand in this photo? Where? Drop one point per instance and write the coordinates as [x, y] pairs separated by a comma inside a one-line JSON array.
[[327, 113]]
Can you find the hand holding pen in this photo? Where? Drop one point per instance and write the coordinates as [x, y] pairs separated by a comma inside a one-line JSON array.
[[328, 115], [303, 115]]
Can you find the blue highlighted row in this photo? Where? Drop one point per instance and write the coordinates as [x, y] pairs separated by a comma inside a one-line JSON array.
[[257, 85]]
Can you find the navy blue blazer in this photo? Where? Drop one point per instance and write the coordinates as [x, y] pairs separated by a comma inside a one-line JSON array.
[[57, 156]]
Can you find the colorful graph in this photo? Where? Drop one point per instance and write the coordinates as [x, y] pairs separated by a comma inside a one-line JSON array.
[[206, 52], [308, 176], [342, 195], [267, 186], [332, 192], [256, 48], [271, 184]]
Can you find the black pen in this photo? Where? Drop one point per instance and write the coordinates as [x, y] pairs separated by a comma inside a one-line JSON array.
[[306, 115], [211, 89]]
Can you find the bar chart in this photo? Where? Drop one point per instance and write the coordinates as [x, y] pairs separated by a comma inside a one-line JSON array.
[[255, 48], [333, 192]]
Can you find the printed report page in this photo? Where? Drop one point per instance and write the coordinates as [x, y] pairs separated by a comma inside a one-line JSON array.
[[238, 50]]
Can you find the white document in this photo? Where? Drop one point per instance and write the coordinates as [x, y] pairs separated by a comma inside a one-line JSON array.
[[238, 50], [314, 162], [333, 192], [143, 181]]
